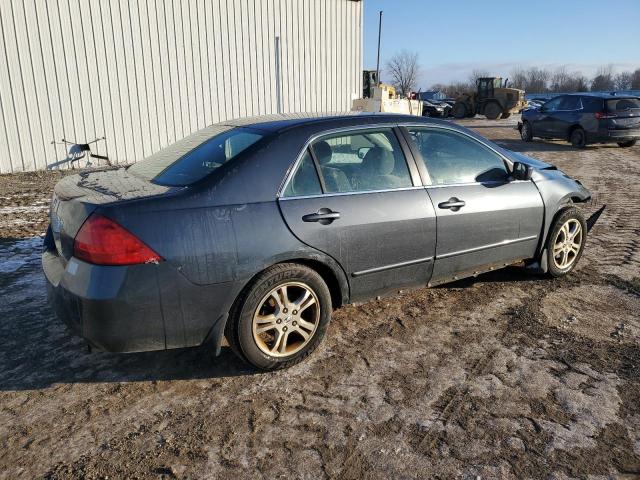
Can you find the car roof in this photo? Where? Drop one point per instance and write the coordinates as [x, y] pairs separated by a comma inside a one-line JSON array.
[[607, 96], [282, 122]]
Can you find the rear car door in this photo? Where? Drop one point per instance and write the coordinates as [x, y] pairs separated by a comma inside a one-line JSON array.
[[354, 197], [484, 217]]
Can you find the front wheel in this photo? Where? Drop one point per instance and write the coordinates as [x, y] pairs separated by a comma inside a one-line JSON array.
[[505, 115], [492, 111], [526, 134], [281, 317], [566, 242], [627, 144]]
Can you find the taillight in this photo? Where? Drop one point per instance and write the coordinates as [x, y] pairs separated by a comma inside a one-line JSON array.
[[103, 242], [601, 115]]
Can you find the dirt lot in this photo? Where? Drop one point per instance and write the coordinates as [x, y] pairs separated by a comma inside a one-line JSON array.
[[503, 376]]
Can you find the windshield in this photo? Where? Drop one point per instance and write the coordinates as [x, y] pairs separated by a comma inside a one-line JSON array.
[[190, 159], [623, 104]]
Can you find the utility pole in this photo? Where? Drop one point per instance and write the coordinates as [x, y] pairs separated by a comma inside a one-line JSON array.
[[378, 61]]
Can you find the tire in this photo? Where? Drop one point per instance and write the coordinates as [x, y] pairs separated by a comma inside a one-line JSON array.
[[264, 350], [526, 132], [578, 138], [459, 110], [505, 115], [627, 144], [492, 111], [560, 246]]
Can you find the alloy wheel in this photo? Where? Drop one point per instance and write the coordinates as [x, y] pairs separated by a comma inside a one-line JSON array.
[[567, 244], [286, 319]]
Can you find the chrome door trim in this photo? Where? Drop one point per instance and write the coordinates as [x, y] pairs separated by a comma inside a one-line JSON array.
[[486, 247], [392, 266], [338, 194]]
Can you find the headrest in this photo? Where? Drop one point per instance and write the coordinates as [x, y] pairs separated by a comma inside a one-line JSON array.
[[379, 161], [323, 152]]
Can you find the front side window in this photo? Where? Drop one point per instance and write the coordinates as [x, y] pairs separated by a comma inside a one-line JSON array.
[[553, 105], [570, 103], [361, 161], [305, 180], [452, 158]]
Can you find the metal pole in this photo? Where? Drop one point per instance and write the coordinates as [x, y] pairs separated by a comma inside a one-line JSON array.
[[378, 61], [278, 75]]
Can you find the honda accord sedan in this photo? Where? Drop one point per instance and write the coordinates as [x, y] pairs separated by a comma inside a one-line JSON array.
[[255, 230]]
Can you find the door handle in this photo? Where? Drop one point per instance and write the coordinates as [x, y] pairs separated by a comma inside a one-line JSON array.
[[324, 216], [454, 204]]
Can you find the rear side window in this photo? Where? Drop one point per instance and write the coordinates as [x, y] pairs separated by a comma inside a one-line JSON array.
[[592, 104], [167, 168], [454, 158], [362, 161], [305, 179], [623, 104]]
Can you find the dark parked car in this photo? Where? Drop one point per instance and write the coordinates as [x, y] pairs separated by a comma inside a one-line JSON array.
[[256, 229], [583, 119], [435, 108]]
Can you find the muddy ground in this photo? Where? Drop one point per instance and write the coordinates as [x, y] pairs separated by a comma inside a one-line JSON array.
[[504, 376]]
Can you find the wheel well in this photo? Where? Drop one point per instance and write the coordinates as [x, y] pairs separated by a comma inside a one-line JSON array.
[[327, 275], [571, 129]]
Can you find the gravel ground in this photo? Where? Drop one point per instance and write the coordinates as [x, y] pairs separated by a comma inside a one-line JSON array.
[[508, 375]]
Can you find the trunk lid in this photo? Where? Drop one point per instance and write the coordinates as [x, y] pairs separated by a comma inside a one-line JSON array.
[[77, 196]]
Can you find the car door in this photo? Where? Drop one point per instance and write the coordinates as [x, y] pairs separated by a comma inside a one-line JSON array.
[[544, 124], [566, 115], [485, 218], [354, 197]]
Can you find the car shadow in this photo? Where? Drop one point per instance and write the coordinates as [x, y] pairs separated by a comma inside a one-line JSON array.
[[510, 274]]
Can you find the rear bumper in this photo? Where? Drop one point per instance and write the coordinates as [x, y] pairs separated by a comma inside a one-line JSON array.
[[611, 136], [135, 308]]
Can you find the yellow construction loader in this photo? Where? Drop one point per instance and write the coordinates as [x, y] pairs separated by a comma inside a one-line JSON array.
[[492, 99]]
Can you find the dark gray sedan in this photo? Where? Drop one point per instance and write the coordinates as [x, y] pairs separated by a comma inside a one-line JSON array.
[[257, 229]]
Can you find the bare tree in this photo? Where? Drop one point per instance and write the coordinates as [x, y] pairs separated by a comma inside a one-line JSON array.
[[623, 80], [475, 75], [519, 78], [560, 79], [404, 70], [635, 80], [603, 80]]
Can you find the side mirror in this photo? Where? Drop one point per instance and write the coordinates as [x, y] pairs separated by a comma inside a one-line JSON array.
[[362, 151], [521, 171]]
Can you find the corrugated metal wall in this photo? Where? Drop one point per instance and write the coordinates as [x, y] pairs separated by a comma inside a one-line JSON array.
[[144, 73]]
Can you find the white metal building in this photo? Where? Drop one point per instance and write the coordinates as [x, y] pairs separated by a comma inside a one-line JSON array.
[[144, 73]]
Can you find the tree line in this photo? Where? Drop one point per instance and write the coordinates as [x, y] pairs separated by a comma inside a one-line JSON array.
[[541, 80]]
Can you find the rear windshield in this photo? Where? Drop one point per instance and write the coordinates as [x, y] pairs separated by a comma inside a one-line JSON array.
[[623, 104], [190, 159]]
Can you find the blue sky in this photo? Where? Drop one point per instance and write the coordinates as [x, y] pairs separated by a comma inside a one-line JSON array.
[[455, 37]]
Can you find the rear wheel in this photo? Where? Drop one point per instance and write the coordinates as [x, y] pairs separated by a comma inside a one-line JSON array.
[[578, 138], [566, 242], [281, 317], [459, 110], [492, 111], [627, 144], [526, 134]]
